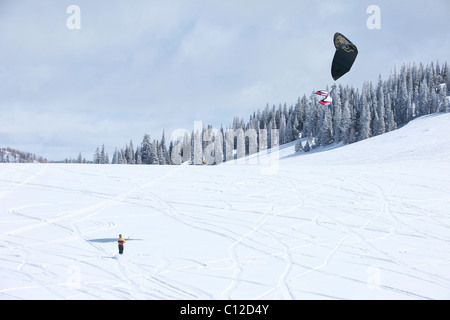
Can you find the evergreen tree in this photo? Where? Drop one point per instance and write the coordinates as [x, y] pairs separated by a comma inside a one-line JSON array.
[[115, 159], [423, 100], [379, 126], [197, 148], [364, 116], [80, 159], [336, 116], [390, 121], [262, 139], [282, 132], [345, 124], [97, 156], [218, 147], [295, 128], [137, 155], [307, 146], [444, 105], [153, 156], [146, 151], [298, 147], [130, 154], [326, 134], [161, 156]]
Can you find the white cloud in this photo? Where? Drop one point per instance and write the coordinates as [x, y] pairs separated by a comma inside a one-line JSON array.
[[206, 43]]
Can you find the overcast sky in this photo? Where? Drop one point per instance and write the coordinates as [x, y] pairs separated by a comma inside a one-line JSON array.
[[141, 66]]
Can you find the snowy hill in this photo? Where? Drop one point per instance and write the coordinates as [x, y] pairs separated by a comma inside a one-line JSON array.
[[368, 220]]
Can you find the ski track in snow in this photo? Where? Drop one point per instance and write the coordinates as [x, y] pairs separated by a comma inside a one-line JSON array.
[[318, 228]]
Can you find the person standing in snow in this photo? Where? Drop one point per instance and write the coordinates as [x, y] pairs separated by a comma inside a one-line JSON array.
[[121, 241]]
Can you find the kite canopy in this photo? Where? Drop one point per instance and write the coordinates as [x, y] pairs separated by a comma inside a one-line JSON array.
[[322, 93], [344, 57], [326, 100]]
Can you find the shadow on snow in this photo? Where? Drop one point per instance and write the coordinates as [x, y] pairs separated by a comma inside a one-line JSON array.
[[105, 240]]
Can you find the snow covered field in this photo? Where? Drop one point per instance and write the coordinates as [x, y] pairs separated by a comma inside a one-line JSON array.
[[369, 220]]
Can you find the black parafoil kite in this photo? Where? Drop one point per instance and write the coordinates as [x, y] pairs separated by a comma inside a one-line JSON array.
[[344, 57]]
